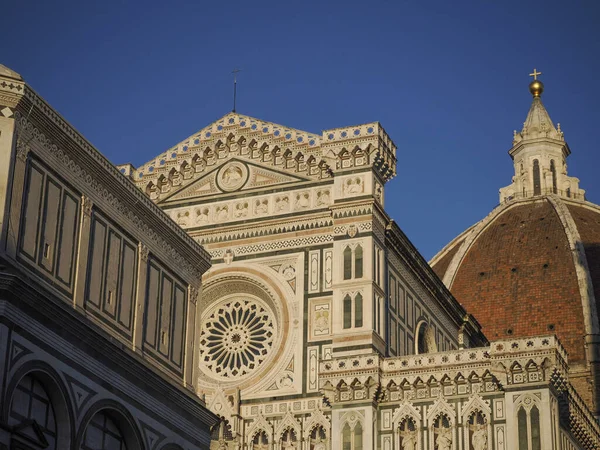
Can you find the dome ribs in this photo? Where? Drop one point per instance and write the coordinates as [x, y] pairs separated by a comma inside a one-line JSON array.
[[519, 275]]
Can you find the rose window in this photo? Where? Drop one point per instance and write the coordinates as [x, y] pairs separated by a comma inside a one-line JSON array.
[[236, 338]]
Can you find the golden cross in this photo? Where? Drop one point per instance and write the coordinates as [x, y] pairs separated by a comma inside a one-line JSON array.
[[535, 74]]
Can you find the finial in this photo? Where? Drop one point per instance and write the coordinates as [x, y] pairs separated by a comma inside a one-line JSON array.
[[536, 87], [235, 72]]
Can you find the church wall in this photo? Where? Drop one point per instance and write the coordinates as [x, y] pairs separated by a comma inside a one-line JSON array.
[[78, 245], [78, 385]]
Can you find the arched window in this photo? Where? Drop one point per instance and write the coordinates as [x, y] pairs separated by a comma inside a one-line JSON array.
[[30, 401], [347, 312], [358, 437], [352, 438], [553, 170], [260, 441], [358, 310], [358, 262], [537, 187], [523, 435], [347, 263], [425, 339], [289, 439], [529, 428], [318, 438], [102, 433]]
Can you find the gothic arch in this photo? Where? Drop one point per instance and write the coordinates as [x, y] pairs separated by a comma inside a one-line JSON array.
[[288, 422], [317, 419], [440, 409], [120, 416], [57, 393], [404, 413], [476, 405]]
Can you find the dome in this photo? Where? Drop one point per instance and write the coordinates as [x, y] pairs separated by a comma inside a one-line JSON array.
[[532, 266], [520, 270]]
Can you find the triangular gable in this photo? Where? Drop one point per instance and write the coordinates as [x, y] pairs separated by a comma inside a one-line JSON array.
[[232, 175]]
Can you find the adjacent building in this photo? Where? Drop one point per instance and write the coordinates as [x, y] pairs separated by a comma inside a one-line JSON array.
[[98, 294]]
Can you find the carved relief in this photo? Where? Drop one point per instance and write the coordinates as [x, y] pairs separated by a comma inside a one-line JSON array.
[[261, 207], [202, 215], [222, 213], [241, 210], [232, 176], [353, 186], [323, 198], [302, 200], [282, 204]]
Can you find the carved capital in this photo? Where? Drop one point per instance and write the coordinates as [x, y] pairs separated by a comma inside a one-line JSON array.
[[22, 150], [144, 252], [86, 206], [193, 294]]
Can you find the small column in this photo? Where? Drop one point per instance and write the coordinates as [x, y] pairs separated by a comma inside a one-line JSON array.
[[140, 298], [83, 248]]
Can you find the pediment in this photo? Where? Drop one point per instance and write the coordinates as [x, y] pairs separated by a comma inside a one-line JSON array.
[[233, 175]]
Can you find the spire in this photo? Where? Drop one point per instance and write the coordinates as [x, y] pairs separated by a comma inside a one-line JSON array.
[[538, 123], [539, 155]]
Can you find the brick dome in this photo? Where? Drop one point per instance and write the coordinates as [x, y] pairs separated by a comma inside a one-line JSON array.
[[531, 267]]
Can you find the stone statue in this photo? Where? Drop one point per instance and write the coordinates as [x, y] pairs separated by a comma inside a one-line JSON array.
[[444, 438], [409, 439], [479, 439]]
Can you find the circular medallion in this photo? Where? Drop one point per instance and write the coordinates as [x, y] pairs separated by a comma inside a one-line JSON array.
[[232, 176], [236, 338]]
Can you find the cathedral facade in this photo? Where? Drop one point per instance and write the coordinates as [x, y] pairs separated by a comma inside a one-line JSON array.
[[252, 270]]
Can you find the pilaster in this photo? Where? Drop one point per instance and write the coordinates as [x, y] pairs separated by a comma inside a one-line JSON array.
[[16, 196], [83, 246], [140, 297]]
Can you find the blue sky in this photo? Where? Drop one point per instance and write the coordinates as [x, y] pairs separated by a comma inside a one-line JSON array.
[[447, 80]]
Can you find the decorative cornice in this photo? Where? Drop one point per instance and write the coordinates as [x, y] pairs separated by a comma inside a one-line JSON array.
[[194, 266]]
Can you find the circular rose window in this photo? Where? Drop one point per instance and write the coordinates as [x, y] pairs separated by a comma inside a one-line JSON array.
[[236, 338]]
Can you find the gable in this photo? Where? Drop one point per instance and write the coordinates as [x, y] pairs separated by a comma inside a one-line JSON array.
[[234, 175]]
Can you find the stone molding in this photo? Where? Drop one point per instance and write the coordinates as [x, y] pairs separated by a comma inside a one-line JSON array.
[[32, 137]]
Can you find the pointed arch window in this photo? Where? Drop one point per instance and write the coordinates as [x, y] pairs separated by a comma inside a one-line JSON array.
[[529, 428], [358, 310], [318, 438], [352, 309], [260, 441], [347, 263], [289, 439], [353, 262], [358, 262], [352, 438], [537, 186], [553, 171], [347, 312]]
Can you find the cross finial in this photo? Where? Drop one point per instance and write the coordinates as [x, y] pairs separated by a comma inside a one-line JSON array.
[[234, 72], [535, 74]]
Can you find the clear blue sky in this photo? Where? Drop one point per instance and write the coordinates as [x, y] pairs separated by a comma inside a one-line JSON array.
[[447, 79]]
